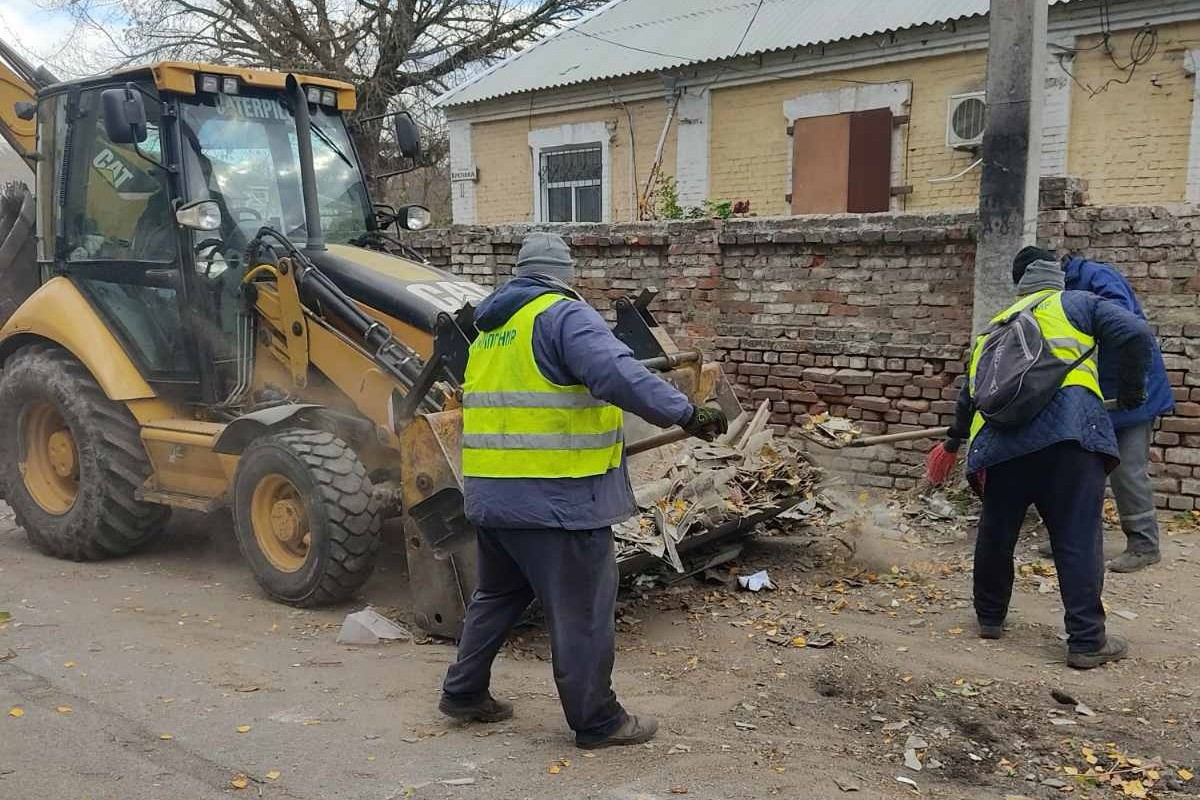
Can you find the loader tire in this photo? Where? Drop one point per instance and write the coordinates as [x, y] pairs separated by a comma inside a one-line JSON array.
[[71, 460], [306, 517]]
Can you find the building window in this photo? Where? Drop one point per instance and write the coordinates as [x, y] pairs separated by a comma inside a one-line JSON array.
[[847, 151], [571, 180]]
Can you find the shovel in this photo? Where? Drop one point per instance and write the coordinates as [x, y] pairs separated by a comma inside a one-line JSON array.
[[871, 441]]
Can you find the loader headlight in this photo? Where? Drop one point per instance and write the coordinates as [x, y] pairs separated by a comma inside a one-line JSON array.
[[201, 215], [414, 218]]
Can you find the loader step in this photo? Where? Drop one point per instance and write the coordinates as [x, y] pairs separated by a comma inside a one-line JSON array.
[[179, 500]]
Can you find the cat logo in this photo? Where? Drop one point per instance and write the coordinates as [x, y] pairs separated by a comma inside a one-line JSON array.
[[112, 168], [448, 296]]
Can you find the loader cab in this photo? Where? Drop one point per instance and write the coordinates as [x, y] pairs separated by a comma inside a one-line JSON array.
[[160, 178]]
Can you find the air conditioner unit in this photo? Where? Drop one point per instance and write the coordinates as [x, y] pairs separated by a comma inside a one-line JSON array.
[[966, 119]]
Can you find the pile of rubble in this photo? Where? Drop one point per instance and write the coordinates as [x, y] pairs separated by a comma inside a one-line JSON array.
[[699, 488]]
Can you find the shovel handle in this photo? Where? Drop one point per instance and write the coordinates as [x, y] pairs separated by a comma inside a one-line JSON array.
[[657, 440], [907, 436]]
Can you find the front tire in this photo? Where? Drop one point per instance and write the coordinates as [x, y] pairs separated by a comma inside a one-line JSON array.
[[71, 460], [306, 517]]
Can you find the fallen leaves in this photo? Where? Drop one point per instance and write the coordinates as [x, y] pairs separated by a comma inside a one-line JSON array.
[[273, 775], [16, 712], [239, 781], [1185, 774], [69, 664], [63, 709], [166, 737], [1133, 788], [243, 728], [5, 616]]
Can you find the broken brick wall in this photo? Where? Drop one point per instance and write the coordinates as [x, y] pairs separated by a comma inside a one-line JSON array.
[[865, 317]]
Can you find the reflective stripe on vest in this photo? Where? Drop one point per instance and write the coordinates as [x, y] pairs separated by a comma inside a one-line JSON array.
[[1065, 341], [518, 424]]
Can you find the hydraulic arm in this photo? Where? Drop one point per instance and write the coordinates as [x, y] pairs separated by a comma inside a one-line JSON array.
[[19, 82]]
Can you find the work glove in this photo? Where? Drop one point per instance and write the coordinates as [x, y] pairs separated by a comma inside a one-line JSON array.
[[707, 423], [941, 460], [1129, 399]]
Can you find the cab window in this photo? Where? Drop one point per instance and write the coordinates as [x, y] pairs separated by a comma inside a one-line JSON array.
[[119, 208]]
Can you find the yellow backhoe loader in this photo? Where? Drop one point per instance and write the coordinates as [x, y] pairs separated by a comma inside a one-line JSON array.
[[217, 315]]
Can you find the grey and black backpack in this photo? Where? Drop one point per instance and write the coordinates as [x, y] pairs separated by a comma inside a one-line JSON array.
[[1018, 374]]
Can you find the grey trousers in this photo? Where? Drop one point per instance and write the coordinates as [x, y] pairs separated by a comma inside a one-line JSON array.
[[574, 574], [1131, 488]]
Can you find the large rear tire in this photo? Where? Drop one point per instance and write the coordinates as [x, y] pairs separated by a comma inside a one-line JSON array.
[[306, 517], [71, 460]]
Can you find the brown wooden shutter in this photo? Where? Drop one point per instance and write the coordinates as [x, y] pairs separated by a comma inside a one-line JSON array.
[[820, 164], [870, 173]]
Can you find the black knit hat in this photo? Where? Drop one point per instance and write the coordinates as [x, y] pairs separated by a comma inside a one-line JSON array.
[[1027, 256]]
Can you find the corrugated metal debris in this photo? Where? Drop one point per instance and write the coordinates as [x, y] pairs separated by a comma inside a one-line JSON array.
[[701, 487]]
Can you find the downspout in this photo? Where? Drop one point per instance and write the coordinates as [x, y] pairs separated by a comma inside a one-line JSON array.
[[308, 175], [633, 181]]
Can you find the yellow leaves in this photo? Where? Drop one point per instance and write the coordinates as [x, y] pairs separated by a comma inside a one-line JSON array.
[[554, 769], [166, 737], [243, 728], [239, 781], [1185, 774], [69, 664], [16, 712], [273, 775], [558, 766], [1089, 755], [311, 722], [1072, 771], [799, 641], [955, 631], [63, 709], [1134, 788]]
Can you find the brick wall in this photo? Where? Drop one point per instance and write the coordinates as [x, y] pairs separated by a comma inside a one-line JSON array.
[[866, 316]]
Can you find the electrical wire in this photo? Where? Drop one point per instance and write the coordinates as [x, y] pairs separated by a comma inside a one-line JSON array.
[[1142, 49]]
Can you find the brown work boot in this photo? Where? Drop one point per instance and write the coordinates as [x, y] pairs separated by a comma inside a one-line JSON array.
[[487, 710], [1114, 649], [635, 730]]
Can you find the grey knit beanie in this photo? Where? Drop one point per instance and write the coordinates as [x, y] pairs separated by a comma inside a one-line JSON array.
[[1041, 275], [546, 254]]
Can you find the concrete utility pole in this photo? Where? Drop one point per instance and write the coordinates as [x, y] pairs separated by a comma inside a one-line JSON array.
[[1012, 148]]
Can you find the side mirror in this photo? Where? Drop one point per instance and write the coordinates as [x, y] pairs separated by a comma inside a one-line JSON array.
[[124, 115], [414, 217], [199, 215], [408, 138]]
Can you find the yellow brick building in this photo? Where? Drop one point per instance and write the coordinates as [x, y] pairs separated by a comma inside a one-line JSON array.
[[873, 105]]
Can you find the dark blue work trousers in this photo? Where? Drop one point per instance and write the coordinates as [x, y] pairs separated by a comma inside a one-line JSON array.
[[1066, 485], [574, 575]]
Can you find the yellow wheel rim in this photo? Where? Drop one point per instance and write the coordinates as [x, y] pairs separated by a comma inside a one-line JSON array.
[[280, 523], [51, 465]]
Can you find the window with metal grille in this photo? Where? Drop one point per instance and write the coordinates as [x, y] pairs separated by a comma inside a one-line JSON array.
[[570, 181]]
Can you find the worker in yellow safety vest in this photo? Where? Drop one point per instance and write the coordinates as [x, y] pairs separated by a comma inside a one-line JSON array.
[[545, 479], [1057, 457]]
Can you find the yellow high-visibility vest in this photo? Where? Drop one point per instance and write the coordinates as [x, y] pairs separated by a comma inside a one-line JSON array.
[[1065, 340], [519, 424]]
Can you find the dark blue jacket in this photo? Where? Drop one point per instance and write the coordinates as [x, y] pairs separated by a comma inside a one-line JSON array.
[[1105, 281], [572, 345], [1075, 413]]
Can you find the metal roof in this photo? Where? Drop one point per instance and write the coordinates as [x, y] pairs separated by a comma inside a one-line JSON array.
[[627, 37]]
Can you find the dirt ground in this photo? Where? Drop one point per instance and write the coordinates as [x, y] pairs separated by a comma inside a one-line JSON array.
[[168, 675]]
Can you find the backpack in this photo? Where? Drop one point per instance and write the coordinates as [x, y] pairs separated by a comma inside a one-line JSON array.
[[1017, 374]]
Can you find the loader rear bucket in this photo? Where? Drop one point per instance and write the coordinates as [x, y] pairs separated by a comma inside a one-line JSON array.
[[440, 541], [18, 266]]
